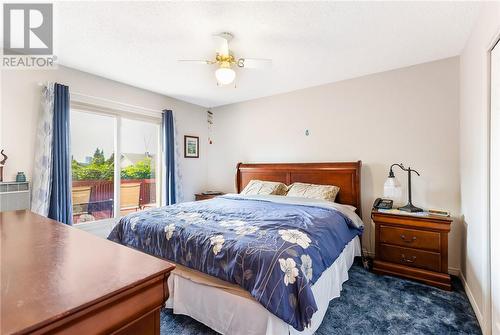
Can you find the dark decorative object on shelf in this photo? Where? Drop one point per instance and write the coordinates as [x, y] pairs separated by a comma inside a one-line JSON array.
[[391, 185], [2, 163], [20, 177]]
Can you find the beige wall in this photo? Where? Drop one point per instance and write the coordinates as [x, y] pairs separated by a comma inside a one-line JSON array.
[[20, 100], [474, 159], [408, 115]]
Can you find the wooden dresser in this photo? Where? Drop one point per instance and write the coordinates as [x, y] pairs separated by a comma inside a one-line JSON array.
[[61, 280], [414, 247]]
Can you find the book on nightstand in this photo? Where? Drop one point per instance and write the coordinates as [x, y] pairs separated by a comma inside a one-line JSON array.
[[438, 212]]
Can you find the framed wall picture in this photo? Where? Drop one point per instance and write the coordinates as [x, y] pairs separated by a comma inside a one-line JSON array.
[[191, 146]]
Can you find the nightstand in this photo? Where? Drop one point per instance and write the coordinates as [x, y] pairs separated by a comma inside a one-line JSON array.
[[201, 196], [411, 246]]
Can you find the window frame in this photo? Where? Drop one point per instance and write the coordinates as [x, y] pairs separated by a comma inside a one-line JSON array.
[[118, 115]]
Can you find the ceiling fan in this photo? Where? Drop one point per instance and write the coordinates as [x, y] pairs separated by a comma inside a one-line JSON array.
[[226, 61]]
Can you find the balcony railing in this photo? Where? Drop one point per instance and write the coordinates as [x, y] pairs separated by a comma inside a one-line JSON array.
[[100, 202]]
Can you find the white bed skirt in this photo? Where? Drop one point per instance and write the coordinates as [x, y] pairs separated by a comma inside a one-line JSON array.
[[231, 313]]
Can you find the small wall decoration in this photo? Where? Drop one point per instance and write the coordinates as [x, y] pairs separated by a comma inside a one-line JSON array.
[[191, 146], [210, 121]]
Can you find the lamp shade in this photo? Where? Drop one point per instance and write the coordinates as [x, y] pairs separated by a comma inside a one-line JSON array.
[[225, 75], [392, 189]]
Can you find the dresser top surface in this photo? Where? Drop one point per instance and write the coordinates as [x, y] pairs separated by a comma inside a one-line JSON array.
[[50, 270]]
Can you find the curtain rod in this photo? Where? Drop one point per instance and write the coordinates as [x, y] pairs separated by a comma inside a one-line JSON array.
[[81, 97]]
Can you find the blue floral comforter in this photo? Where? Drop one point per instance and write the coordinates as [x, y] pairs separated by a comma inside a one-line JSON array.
[[275, 251]]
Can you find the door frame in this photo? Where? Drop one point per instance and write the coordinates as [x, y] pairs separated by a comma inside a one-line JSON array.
[[493, 324], [118, 116]]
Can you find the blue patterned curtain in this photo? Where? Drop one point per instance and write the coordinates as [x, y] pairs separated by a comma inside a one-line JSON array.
[[42, 167], [168, 142], [60, 207]]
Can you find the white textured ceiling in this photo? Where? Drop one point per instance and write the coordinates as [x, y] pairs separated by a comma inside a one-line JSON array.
[[310, 43]]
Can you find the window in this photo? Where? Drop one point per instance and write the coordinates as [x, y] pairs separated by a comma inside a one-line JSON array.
[[115, 165], [139, 158]]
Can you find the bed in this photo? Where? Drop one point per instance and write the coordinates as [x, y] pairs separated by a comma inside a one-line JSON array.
[[256, 264]]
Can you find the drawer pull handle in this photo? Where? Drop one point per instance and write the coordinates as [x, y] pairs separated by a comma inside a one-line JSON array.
[[408, 260], [403, 237]]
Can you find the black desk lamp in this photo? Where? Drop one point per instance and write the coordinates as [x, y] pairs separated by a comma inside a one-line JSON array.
[[391, 183]]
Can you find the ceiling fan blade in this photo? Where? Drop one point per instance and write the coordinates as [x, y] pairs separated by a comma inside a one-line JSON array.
[[254, 63], [196, 61]]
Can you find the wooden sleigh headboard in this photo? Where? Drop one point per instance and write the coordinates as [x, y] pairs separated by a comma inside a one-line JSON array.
[[346, 175]]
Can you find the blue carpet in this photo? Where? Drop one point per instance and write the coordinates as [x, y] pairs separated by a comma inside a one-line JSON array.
[[372, 304]]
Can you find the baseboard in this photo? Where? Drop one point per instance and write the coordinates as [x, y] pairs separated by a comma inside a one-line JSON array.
[[454, 272], [473, 303], [368, 253]]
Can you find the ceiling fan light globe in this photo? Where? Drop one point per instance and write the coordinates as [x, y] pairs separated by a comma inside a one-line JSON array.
[[225, 75]]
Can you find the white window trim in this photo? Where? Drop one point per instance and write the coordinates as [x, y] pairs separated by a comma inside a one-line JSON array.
[[87, 102]]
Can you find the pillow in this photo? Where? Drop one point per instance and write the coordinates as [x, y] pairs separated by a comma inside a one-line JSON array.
[[312, 191], [264, 187]]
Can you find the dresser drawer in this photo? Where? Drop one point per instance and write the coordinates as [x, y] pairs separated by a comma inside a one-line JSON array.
[[410, 238], [411, 257]]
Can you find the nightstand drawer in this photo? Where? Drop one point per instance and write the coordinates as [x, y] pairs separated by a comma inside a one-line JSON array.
[[411, 257], [410, 238]]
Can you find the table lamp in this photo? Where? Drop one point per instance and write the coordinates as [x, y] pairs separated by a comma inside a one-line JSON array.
[[392, 188]]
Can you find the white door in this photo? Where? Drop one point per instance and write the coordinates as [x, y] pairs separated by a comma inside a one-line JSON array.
[[495, 190]]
